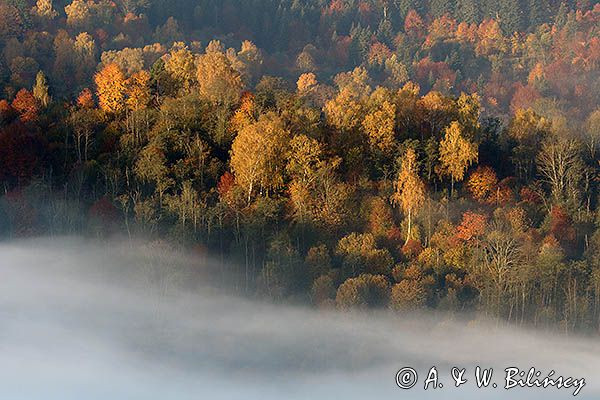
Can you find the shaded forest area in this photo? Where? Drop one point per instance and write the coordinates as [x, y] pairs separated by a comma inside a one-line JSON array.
[[407, 154]]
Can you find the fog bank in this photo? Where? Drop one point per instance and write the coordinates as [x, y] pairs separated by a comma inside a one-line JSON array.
[[85, 321]]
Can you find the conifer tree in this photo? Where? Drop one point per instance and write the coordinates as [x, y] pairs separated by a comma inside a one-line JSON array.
[[467, 11]]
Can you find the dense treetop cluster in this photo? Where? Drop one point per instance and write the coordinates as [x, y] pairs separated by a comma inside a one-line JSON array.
[[377, 153]]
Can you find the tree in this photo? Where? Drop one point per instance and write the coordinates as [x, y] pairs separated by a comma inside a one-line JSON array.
[[345, 111], [169, 32], [186, 206], [11, 22], [456, 153], [380, 126], [365, 291], [469, 107], [45, 10], [7, 113], [528, 130], [128, 60], [322, 291], [561, 15], [251, 60], [138, 91], [86, 99], [23, 71], [511, 16], [305, 62], [592, 129], [180, 64], [410, 189], [359, 254], [491, 39], [246, 114], [318, 261], [65, 62], [218, 81], [501, 254], [26, 105], [306, 83], [467, 11], [472, 227], [410, 292], [111, 89], [438, 8], [85, 57], [83, 122], [283, 272], [560, 166], [396, 71], [258, 155], [304, 159], [40, 90], [79, 14], [482, 182], [152, 166], [539, 11]]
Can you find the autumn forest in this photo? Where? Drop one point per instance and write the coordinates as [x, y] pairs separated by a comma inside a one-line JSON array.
[[411, 155]]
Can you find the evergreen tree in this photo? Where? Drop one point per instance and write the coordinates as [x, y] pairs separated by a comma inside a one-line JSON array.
[[511, 16], [490, 8], [385, 32], [437, 8], [404, 6], [538, 12], [467, 11], [561, 15]]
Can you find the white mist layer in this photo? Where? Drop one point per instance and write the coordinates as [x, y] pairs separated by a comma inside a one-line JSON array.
[[80, 321]]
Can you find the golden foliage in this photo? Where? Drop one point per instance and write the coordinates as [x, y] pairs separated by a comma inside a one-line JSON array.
[[218, 81], [180, 64], [111, 89], [138, 91], [307, 83], [456, 153], [410, 189], [482, 182], [258, 154], [245, 114], [379, 126]]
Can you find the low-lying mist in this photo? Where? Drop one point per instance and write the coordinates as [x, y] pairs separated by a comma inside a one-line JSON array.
[[114, 321]]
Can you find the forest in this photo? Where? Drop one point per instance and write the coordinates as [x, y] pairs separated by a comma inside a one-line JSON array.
[[402, 154]]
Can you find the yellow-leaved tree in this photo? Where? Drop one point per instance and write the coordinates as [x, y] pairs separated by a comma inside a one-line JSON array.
[[380, 125], [457, 153], [111, 89], [410, 189], [218, 81], [258, 154], [138, 91], [180, 64]]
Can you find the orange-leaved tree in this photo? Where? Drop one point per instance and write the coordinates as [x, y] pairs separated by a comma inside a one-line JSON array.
[[111, 89]]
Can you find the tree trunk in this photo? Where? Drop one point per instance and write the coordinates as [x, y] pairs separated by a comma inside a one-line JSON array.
[[409, 227]]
